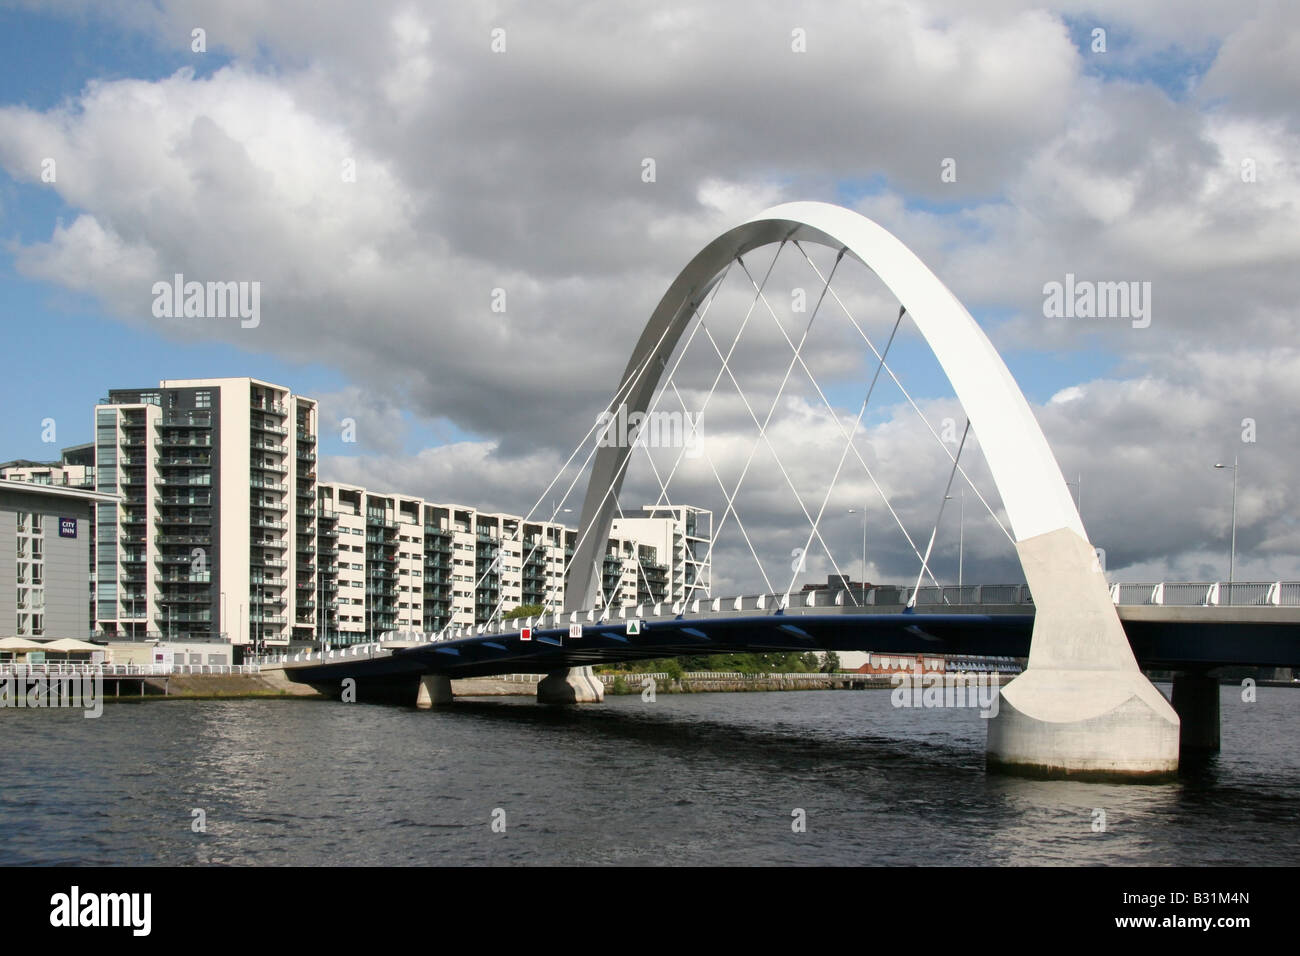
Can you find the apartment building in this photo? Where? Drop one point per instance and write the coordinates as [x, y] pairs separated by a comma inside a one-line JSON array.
[[216, 532], [682, 536], [74, 469], [396, 562]]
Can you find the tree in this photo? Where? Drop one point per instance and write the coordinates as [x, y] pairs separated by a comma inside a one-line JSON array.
[[523, 610], [831, 664]]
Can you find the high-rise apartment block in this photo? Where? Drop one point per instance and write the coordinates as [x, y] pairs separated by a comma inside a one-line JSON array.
[[216, 533]]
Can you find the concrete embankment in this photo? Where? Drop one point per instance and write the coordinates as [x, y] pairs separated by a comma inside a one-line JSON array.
[[269, 683]]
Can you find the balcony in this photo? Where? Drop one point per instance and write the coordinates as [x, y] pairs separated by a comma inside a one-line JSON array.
[[187, 420], [174, 481], [204, 520], [267, 405], [265, 523], [198, 577], [259, 562], [174, 440], [269, 428], [177, 461], [266, 484], [190, 617], [200, 540], [185, 598], [182, 500], [275, 469]]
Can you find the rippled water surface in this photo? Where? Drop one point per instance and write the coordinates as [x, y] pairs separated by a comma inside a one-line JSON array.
[[687, 779]]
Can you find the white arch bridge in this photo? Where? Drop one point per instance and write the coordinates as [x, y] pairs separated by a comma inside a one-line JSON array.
[[1082, 706]]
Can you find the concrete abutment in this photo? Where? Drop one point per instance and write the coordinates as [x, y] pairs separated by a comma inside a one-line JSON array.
[[572, 685]]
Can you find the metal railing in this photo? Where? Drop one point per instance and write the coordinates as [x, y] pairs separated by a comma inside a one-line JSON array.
[[8, 669], [1209, 594]]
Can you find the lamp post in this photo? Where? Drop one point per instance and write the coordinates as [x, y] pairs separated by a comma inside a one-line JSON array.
[[1077, 484], [1232, 553], [961, 541], [854, 511]]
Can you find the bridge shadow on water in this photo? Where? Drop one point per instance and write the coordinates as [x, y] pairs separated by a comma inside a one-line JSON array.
[[845, 753], [789, 745]]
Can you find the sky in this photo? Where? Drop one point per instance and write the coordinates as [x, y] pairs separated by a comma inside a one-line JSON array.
[[447, 212]]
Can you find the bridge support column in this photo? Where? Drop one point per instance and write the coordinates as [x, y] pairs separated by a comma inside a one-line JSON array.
[[573, 685], [1082, 708], [1196, 698], [435, 690]]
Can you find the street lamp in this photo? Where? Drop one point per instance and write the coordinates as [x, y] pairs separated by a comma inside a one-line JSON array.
[[1232, 553], [854, 511], [961, 541], [1078, 501]]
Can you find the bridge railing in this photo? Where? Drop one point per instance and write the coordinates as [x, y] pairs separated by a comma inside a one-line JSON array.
[[1209, 594]]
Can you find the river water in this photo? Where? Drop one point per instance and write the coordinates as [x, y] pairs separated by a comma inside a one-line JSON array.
[[685, 779]]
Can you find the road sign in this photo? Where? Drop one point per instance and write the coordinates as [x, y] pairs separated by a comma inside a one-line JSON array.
[[575, 631], [526, 634], [634, 627]]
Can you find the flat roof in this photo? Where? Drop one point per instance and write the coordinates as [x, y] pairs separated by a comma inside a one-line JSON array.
[[55, 491]]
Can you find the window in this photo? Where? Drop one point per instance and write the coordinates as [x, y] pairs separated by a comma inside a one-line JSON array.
[[202, 399]]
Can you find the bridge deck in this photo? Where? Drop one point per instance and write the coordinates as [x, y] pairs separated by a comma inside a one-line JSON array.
[[1161, 636]]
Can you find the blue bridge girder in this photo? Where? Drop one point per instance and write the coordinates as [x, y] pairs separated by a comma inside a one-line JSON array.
[[1162, 638]]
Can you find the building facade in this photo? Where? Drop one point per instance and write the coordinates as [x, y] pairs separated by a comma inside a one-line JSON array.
[[45, 542], [396, 562], [215, 534], [682, 536]]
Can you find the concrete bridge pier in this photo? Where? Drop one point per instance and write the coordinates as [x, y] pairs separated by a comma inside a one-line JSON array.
[[1196, 698], [1082, 708], [572, 685], [434, 691]]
